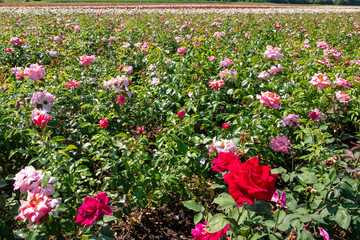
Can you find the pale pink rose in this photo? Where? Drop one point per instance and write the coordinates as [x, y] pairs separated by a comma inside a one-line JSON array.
[[269, 99], [316, 115], [52, 53], [35, 72], [118, 84], [36, 206], [275, 69], [181, 51], [4, 87], [155, 81], [332, 52], [43, 98], [221, 146], [320, 81], [216, 84], [291, 120], [226, 62], [323, 45], [273, 53], [264, 75], [212, 58], [72, 84], [325, 61], [279, 200], [342, 82], [128, 70], [152, 68], [40, 117], [15, 70], [228, 74], [86, 60], [29, 179], [342, 97], [280, 144]]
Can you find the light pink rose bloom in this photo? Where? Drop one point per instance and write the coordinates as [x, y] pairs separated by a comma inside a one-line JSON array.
[[228, 74], [280, 144], [316, 115], [342, 97], [15, 70], [200, 233], [342, 82], [35, 72], [52, 53], [118, 84], [86, 60], [323, 45], [291, 120], [320, 81], [226, 62], [324, 233], [128, 70], [332, 52], [269, 99], [216, 84], [43, 98], [40, 117], [279, 200], [36, 206], [155, 81], [29, 179], [221, 146], [275, 69], [181, 51], [152, 67], [212, 58], [264, 75], [72, 84], [273, 53]]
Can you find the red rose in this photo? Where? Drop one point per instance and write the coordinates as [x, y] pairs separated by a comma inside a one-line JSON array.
[[225, 125], [249, 181], [223, 160]]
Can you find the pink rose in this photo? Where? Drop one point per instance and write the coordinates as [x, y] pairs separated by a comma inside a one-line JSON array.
[[323, 45], [35, 72], [324, 233], [342, 97], [216, 84], [181, 51], [225, 125], [226, 62], [181, 114], [275, 69], [36, 206], [40, 117], [212, 58], [128, 70], [280, 144], [342, 82], [316, 115], [273, 53], [200, 233], [72, 84], [264, 75], [291, 120], [86, 60], [140, 130], [104, 123], [279, 200], [269, 99], [320, 81]]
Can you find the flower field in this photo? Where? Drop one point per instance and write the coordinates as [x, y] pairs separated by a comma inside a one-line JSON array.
[[245, 119]]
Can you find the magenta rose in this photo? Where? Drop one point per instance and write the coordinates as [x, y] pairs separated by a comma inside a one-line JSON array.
[[199, 232], [249, 181]]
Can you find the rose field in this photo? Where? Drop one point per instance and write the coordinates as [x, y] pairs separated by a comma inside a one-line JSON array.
[[180, 121]]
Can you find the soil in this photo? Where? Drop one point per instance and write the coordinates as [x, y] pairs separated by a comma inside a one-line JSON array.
[[169, 222]]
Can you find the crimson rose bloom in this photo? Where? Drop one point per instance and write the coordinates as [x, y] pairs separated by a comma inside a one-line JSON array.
[[249, 181], [92, 208], [223, 160]]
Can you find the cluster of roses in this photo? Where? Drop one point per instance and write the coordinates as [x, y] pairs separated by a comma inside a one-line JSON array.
[[40, 117], [38, 202], [225, 74]]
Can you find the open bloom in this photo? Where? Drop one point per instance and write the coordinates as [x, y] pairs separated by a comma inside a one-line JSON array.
[[216, 84], [279, 200], [291, 120], [264, 75], [275, 69], [45, 99], [128, 70], [249, 181], [40, 117], [223, 145], [226, 62], [280, 144], [86, 60], [316, 115], [181, 51], [269, 99], [320, 81], [36, 206], [224, 159], [342, 82], [121, 99], [342, 97], [118, 83], [104, 123], [155, 81], [322, 44], [29, 179], [72, 84], [199, 232], [92, 208], [35, 72], [273, 53]]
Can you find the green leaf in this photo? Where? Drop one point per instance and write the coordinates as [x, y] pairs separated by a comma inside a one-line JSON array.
[[308, 178], [225, 201], [45, 179], [198, 217], [306, 235], [260, 207], [217, 223], [70, 147], [215, 186], [343, 218], [3, 183], [109, 218], [191, 204], [58, 139]]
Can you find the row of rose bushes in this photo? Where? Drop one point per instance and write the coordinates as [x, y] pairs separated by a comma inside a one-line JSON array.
[[135, 108]]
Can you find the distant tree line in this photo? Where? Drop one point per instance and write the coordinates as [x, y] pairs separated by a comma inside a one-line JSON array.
[[322, 2]]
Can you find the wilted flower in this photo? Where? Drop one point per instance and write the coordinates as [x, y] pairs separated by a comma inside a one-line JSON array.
[[280, 144], [221, 146], [281, 201]]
